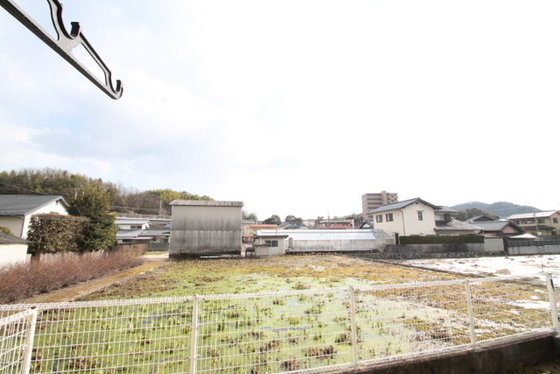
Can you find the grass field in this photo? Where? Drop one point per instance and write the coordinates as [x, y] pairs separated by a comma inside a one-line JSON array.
[[223, 276]]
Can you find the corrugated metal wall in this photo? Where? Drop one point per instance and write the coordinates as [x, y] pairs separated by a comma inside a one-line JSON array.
[[205, 230]]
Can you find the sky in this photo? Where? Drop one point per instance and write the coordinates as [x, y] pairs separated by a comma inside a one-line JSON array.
[[295, 107]]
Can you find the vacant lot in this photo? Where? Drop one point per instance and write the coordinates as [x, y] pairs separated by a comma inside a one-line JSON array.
[[222, 276]]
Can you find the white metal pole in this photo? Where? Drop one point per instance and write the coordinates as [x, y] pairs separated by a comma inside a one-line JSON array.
[[553, 302], [194, 335], [29, 337], [470, 311], [353, 325]]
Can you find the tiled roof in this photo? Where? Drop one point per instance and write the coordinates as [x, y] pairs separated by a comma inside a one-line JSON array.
[[206, 203], [455, 225], [495, 225], [10, 239], [21, 205], [401, 205]]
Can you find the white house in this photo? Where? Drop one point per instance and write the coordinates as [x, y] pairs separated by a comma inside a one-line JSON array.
[[406, 218], [12, 249], [16, 210]]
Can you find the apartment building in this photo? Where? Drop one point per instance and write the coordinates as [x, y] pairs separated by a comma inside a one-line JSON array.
[[371, 201]]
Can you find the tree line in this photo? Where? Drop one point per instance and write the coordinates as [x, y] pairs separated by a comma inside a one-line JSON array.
[[93, 204], [50, 181]]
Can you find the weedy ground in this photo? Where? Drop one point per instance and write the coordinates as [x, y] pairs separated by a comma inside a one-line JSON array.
[[223, 276]]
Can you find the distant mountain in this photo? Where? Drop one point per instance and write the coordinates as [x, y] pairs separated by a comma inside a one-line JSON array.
[[501, 208]]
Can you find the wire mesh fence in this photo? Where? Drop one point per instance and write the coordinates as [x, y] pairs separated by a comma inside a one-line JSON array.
[[16, 333], [283, 331]]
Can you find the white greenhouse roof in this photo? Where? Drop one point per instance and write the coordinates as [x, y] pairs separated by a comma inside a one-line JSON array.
[[328, 234]]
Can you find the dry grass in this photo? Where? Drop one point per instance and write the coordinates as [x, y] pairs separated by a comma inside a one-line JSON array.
[[24, 280]]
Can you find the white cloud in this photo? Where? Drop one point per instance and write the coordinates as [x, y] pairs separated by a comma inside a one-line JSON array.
[[298, 107]]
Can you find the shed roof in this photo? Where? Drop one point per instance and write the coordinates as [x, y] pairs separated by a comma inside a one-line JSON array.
[[403, 204], [22, 205], [207, 203], [10, 239]]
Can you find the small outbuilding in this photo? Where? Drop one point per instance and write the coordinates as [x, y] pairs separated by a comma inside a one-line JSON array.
[[12, 249], [205, 228]]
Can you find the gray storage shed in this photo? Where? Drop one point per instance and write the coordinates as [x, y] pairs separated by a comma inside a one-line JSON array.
[[205, 228]]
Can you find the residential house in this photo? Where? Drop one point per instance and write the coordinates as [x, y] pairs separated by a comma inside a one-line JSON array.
[[540, 224], [496, 228], [16, 210], [126, 223], [406, 218], [249, 229], [446, 224], [455, 227], [336, 224], [12, 249]]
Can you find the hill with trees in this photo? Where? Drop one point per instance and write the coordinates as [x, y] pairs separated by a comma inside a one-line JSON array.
[[51, 181], [501, 209]]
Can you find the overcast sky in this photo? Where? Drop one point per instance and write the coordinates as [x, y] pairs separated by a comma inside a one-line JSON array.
[[296, 107]]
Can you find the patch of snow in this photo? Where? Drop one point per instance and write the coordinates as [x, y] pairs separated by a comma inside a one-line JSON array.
[[526, 266]]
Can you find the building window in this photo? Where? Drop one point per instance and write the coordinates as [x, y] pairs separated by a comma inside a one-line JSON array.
[[379, 218], [389, 217], [540, 220], [420, 216], [272, 243], [555, 220]]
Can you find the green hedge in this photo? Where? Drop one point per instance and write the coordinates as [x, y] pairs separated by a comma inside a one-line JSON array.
[[441, 239]]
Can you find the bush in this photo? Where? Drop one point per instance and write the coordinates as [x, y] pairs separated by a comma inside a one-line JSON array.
[[451, 239], [24, 280]]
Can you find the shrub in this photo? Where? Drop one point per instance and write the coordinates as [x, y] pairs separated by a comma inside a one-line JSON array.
[[451, 239], [24, 280]]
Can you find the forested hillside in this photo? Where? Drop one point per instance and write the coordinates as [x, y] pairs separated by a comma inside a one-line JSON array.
[[61, 182], [502, 209]]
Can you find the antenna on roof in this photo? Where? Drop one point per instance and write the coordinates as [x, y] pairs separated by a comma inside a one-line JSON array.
[[65, 42]]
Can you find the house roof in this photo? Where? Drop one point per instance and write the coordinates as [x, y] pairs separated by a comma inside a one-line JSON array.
[[10, 239], [402, 204], [533, 215], [206, 203], [446, 209], [131, 221], [481, 218], [336, 227], [22, 205], [497, 226], [455, 225]]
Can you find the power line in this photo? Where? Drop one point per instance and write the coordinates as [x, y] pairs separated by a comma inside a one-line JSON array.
[[25, 189]]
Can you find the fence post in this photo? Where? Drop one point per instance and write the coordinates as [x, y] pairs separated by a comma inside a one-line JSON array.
[[470, 311], [194, 335], [354, 329], [553, 302], [29, 337]]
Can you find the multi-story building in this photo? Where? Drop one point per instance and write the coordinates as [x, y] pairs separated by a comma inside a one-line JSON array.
[[539, 223], [371, 201]]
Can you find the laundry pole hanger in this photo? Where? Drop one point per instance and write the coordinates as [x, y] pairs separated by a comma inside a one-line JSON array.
[[65, 43]]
